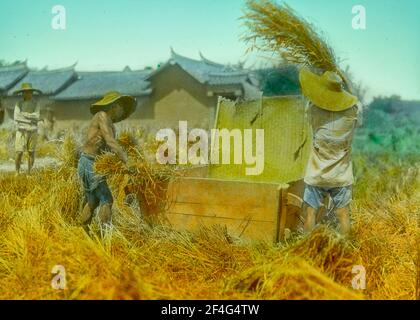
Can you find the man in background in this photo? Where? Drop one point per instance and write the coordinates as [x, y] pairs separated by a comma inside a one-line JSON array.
[[26, 116]]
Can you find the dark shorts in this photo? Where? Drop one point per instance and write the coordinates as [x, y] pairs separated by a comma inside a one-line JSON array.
[[314, 196], [95, 187]]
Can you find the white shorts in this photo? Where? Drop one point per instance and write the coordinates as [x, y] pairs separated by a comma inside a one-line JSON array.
[[25, 140], [314, 196]]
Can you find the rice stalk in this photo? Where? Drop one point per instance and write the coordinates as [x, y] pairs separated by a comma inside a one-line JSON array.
[[279, 30], [141, 261]]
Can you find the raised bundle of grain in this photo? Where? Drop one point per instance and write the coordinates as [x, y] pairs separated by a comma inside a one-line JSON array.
[[277, 29]]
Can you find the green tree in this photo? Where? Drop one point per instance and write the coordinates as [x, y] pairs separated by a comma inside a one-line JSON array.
[[277, 81], [389, 105]]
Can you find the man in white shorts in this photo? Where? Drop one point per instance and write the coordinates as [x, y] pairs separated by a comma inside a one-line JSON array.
[[26, 116], [333, 114]]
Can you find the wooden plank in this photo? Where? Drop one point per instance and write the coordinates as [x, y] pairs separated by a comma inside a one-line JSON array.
[[251, 210], [283, 213], [248, 229], [237, 212], [294, 218], [222, 192], [196, 172], [295, 204], [294, 200], [278, 216]]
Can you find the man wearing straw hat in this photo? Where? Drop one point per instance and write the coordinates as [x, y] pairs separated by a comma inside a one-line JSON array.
[[333, 116], [26, 116], [113, 108]]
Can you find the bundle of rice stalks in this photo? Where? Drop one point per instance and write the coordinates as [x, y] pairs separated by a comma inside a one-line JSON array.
[[182, 259], [318, 266], [145, 179], [291, 278], [128, 142], [328, 251], [278, 29]]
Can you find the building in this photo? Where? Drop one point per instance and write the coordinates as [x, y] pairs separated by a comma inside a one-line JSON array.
[[188, 89], [10, 75], [50, 82], [73, 102], [182, 89]]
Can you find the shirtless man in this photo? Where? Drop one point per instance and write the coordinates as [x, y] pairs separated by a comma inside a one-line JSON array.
[[113, 108]]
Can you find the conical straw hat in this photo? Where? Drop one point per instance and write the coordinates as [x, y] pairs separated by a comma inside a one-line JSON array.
[[326, 91], [127, 102], [27, 87]]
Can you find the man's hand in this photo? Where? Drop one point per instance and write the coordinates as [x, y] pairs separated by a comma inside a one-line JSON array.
[[26, 121]]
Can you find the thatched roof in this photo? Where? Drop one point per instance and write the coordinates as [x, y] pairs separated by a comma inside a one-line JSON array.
[[206, 71], [233, 78], [94, 85], [49, 82], [9, 75]]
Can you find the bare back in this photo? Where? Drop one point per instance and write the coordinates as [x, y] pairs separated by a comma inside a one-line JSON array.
[[101, 137]]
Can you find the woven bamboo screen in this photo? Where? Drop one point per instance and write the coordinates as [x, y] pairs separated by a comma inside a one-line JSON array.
[[286, 142]]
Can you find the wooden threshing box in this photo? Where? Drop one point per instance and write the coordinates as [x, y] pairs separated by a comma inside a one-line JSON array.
[[252, 207], [249, 210], [253, 211]]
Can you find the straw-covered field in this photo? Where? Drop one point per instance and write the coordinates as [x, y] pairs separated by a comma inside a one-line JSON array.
[[39, 229]]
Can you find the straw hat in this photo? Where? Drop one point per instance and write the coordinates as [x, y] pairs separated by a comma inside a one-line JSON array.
[[27, 87], [127, 102], [326, 91]]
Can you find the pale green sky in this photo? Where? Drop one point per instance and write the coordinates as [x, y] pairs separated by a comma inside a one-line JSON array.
[[108, 35]]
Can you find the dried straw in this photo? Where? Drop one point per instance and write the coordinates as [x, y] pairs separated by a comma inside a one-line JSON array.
[[277, 28], [38, 231], [144, 179]]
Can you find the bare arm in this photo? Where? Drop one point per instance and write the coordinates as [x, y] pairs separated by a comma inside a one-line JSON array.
[[105, 125], [35, 116], [307, 107], [18, 115], [26, 117]]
